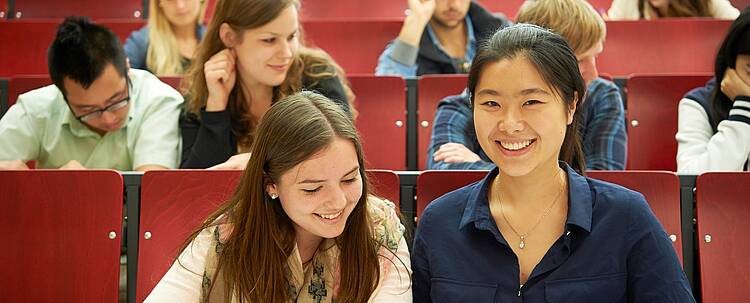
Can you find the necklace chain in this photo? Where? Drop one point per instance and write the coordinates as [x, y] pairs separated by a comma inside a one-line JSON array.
[[522, 237]]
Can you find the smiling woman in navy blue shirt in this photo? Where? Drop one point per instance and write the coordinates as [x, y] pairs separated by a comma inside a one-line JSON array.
[[536, 230]]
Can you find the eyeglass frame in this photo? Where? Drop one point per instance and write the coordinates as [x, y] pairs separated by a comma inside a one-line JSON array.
[[99, 112]]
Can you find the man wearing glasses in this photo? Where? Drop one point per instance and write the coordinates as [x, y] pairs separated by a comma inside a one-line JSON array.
[[98, 114]]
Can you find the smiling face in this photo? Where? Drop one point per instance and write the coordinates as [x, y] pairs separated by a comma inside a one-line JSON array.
[[264, 54], [520, 120], [108, 89], [319, 193]]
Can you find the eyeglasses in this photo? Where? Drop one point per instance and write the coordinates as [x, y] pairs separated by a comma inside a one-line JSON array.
[[111, 108]]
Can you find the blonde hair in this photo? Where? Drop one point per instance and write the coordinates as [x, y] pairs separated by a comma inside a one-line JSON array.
[[241, 15], [575, 20], [163, 56]]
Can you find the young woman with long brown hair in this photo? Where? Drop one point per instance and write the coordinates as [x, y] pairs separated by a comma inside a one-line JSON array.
[[250, 57], [301, 226], [655, 9]]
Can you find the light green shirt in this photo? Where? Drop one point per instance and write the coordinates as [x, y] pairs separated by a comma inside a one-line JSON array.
[[41, 127]]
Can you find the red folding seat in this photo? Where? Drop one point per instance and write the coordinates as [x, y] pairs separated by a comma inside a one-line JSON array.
[[385, 184], [64, 235], [431, 184], [21, 84], [430, 90], [661, 46], [662, 192], [381, 102], [652, 102], [131, 9], [723, 229], [355, 45]]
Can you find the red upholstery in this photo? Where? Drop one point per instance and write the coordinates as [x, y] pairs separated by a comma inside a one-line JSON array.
[[352, 9], [381, 102], [131, 9], [661, 46], [21, 84], [122, 27], [58, 246], [26, 43], [25, 46], [355, 45], [740, 4], [431, 184], [652, 118], [385, 184], [173, 204], [722, 213], [174, 82], [662, 192], [430, 90]]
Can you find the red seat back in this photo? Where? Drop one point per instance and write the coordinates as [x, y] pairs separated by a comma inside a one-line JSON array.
[[353, 9], [131, 9], [430, 90], [662, 192], [661, 46], [64, 230], [21, 84], [652, 102], [381, 102], [355, 45], [122, 27], [723, 229], [431, 184], [385, 184], [173, 204]]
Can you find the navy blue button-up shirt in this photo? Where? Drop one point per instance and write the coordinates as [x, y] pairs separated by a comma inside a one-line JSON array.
[[613, 250]]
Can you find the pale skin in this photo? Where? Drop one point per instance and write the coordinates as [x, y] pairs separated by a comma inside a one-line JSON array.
[[458, 153], [260, 58], [736, 80], [182, 16], [446, 18], [513, 105]]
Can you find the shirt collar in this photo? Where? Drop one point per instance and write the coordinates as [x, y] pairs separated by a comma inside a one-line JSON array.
[[470, 37], [580, 201]]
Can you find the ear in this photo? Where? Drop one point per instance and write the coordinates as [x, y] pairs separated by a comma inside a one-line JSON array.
[[227, 35], [272, 191], [572, 108]]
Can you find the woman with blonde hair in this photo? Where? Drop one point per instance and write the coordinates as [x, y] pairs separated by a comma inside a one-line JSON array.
[[251, 56], [166, 45], [301, 226], [655, 9]]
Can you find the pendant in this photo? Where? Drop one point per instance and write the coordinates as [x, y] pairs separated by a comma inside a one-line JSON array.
[[522, 244]]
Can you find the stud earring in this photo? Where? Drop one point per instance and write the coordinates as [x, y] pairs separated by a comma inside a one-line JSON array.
[[273, 196]]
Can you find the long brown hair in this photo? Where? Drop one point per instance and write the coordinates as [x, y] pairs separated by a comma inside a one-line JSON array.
[[253, 256], [243, 15], [555, 61], [677, 8]]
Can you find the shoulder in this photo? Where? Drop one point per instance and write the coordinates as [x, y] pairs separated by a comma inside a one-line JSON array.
[[148, 88], [616, 200], [386, 225], [44, 102], [485, 22], [603, 93], [701, 95], [449, 207], [139, 36]]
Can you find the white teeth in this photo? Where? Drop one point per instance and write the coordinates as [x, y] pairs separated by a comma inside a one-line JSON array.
[[330, 217], [515, 145]]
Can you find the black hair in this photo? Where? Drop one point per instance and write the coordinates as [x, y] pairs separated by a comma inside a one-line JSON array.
[[555, 61], [81, 50], [737, 42]]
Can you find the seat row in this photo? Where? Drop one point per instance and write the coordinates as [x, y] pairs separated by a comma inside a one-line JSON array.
[[312, 9], [396, 115], [65, 226], [664, 46]]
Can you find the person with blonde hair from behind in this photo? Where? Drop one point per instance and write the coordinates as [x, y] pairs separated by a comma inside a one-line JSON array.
[[302, 225], [251, 56], [454, 144], [166, 45], [655, 9]]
